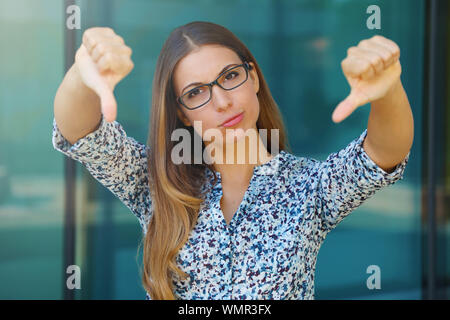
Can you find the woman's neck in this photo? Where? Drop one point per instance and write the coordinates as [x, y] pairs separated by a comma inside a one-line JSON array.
[[243, 156]]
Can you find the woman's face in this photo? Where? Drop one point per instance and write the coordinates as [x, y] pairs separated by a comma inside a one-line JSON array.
[[203, 66]]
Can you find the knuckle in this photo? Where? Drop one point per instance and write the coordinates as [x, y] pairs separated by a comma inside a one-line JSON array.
[[351, 50], [101, 48], [106, 62], [103, 63], [363, 43], [86, 37], [127, 66], [386, 56], [367, 67], [88, 31], [94, 31], [377, 60], [108, 57], [344, 63], [120, 39], [107, 30]]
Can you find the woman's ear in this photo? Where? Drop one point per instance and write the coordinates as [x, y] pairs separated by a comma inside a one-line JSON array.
[[254, 76], [183, 118]]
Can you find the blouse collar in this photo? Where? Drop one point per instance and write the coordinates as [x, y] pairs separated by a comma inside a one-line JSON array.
[[266, 169]]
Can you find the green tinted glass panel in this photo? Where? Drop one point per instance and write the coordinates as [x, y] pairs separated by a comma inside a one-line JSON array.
[[299, 46]]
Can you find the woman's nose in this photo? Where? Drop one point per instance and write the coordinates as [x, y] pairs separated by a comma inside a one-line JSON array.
[[221, 98]]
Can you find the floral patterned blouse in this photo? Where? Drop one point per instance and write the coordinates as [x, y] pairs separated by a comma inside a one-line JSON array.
[[269, 248]]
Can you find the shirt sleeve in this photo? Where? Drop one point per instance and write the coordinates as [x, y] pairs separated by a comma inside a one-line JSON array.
[[346, 179], [115, 160]]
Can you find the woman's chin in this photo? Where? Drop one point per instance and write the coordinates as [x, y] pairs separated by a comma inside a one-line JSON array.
[[234, 135]]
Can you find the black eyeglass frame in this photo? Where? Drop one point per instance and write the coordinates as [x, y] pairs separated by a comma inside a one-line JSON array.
[[246, 66]]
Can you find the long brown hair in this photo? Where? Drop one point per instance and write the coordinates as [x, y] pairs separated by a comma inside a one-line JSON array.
[[175, 188]]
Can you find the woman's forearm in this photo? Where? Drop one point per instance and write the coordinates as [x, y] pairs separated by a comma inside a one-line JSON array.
[[76, 107], [390, 129]]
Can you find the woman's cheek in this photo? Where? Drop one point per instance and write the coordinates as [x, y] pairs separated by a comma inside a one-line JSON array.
[[253, 111]]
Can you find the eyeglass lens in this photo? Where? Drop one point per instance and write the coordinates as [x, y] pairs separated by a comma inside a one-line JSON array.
[[229, 80]]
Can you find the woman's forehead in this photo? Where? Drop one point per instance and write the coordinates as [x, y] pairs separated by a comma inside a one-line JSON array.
[[203, 63]]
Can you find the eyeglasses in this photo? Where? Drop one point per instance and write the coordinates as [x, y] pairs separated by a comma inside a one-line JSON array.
[[227, 80]]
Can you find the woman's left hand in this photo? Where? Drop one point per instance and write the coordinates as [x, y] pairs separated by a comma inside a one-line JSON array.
[[372, 70]]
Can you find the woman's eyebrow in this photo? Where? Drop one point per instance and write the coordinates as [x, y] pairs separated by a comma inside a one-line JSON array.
[[199, 83]]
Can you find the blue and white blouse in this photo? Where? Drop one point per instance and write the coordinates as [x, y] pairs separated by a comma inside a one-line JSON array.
[[269, 249]]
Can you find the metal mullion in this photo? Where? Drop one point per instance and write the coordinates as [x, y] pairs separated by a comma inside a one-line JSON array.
[[69, 170], [435, 78]]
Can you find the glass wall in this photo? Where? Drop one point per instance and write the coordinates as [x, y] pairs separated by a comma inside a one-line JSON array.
[[299, 45], [31, 174]]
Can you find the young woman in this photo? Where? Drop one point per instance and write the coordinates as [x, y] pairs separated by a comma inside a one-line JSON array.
[[241, 229]]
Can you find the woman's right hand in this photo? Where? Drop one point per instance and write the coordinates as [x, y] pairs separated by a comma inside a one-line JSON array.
[[102, 61]]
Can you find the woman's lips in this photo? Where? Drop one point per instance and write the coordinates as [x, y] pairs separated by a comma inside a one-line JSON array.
[[234, 120]]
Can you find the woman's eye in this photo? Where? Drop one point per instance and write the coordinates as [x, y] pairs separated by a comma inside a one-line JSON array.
[[193, 93], [229, 75]]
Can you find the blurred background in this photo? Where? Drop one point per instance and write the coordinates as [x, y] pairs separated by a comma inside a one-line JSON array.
[[54, 214]]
